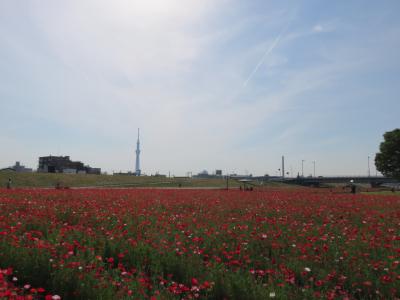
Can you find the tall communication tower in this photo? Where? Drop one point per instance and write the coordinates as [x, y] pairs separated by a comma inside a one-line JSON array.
[[137, 169]]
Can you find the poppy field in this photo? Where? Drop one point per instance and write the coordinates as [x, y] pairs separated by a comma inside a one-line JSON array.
[[198, 244]]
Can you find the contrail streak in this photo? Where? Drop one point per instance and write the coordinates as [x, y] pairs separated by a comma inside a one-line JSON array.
[[269, 50]]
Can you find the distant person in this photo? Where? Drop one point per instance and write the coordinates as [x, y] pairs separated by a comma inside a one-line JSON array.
[[353, 187], [9, 183]]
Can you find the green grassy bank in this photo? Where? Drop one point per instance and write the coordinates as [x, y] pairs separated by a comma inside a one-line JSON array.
[[86, 180]]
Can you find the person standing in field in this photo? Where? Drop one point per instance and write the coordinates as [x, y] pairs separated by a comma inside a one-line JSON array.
[[353, 187], [9, 183]]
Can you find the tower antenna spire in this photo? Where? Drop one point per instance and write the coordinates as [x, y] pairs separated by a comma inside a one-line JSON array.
[[137, 167]]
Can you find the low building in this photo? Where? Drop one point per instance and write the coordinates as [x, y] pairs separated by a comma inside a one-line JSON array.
[[18, 168], [205, 174], [202, 174], [7, 170], [90, 170], [63, 164]]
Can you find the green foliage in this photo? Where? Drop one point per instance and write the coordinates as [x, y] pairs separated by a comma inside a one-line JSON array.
[[387, 161], [32, 264]]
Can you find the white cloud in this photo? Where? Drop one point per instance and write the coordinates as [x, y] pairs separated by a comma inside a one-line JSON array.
[[318, 28], [101, 69]]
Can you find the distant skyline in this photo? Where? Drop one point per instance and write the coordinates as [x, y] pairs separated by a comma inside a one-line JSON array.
[[229, 84]]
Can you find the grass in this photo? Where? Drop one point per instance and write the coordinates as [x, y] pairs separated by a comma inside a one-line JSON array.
[[87, 180]]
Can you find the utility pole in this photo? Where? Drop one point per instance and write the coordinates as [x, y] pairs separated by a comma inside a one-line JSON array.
[[302, 167], [283, 167], [314, 167], [369, 170]]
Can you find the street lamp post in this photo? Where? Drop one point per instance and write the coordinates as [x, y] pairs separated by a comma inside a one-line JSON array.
[[369, 170], [314, 167]]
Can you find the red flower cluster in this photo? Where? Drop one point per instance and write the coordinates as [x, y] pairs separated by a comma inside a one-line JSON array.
[[155, 244]]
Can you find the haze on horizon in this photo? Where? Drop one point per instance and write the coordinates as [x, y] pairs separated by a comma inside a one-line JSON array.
[[228, 84]]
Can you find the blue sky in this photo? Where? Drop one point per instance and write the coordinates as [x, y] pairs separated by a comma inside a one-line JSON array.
[[228, 84]]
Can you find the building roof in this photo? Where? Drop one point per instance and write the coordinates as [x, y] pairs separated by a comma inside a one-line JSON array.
[[8, 169]]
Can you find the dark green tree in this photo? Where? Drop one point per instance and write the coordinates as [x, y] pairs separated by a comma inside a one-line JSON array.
[[387, 161]]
